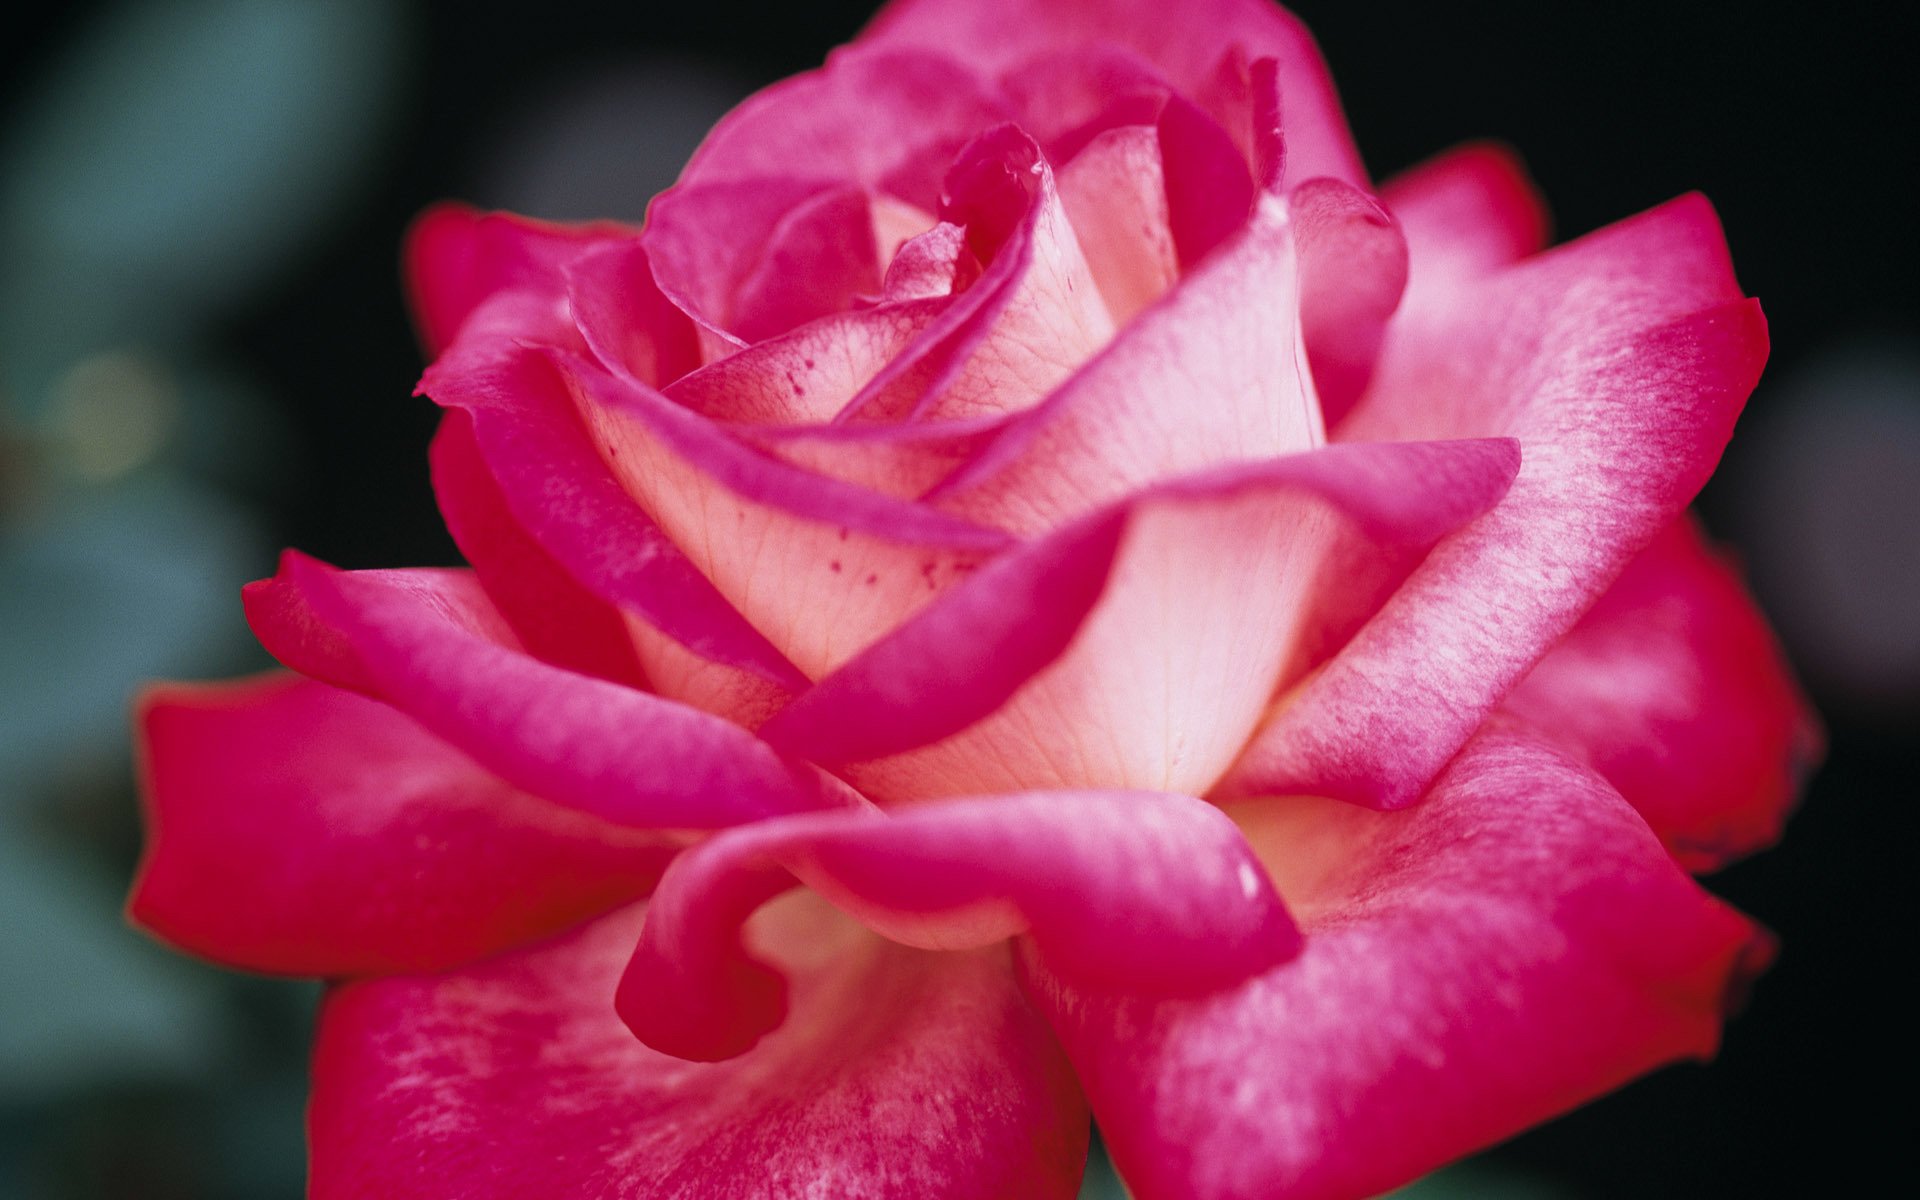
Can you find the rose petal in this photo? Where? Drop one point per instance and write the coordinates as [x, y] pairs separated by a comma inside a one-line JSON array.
[[902, 1074], [1022, 327], [1512, 947], [429, 643], [1353, 268], [851, 562], [554, 617], [1673, 687], [554, 485], [1115, 194], [1213, 373], [1466, 213], [1137, 647], [298, 829], [456, 257], [888, 119], [1144, 890], [1183, 41], [1620, 362]]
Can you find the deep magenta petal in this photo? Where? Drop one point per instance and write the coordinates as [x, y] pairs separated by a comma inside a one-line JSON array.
[[298, 829], [430, 644], [1673, 687], [901, 1074], [1620, 362], [1183, 41], [1146, 891], [456, 258], [1515, 945], [553, 616]]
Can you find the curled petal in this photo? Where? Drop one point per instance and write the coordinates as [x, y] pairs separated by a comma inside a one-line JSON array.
[[1136, 647], [456, 258], [1514, 946], [902, 1074], [528, 438], [298, 829], [1143, 890], [430, 644]]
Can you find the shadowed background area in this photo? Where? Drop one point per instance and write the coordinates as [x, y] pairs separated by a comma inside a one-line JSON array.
[[204, 356]]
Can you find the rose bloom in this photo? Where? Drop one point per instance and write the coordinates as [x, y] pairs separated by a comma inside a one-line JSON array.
[[1027, 588]]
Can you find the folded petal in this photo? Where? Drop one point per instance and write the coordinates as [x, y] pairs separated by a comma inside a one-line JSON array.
[[456, 257], [1466, 213], [429, 643], [902, 1074], [1674, 688], [1620, 362], [1137, 647], [1033, 315], [1184, 41], [1214, 372], [527, 437], [298, 829], [850, 562], [1140, 890], [552, 615], [1514, 946]]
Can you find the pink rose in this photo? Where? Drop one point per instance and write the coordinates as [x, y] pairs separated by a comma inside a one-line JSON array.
[[1026, 587]]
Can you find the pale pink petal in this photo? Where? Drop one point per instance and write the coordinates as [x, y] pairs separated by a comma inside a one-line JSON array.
[[1030, 319], [555, 486], [456, 257], [1673, 687], [1514, 946], [1213, 373], [1137, 647], [1115, 194], [1116, 889], [1620, 362], [1183, 41], [820, 566], [901, 1074], [1066, 98], [429, 643], [298, 829]]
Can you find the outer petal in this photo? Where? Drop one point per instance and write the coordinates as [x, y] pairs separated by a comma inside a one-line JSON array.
[[553, 616], [903, 1074], [428, 643], [1512, 947], [298, 829], [1620, 362], [1466, 214], [1137, 647], [1674, 689], [1184, 41], [457, 257], [889, 119], [1134, 889]]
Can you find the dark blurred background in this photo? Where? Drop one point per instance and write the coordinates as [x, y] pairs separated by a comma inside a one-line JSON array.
[[204, 356]]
